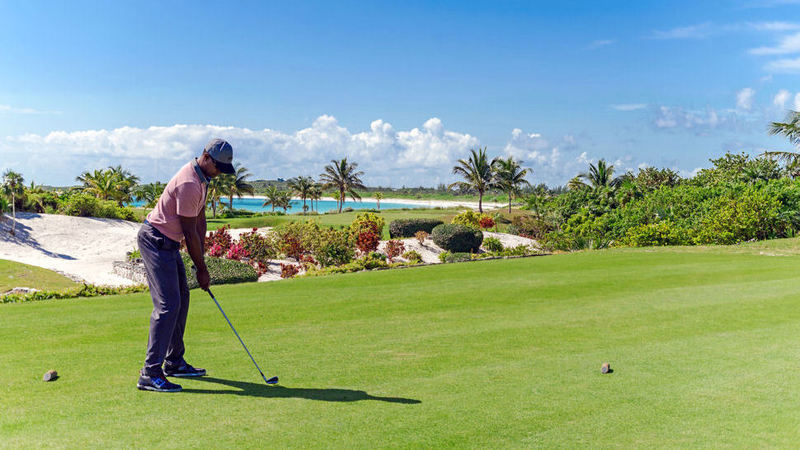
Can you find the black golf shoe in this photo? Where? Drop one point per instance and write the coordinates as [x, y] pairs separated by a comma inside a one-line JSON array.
[[157, 383], [185, 370]]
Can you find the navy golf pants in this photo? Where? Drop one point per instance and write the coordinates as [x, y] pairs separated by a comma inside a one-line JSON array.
[[166, 276]]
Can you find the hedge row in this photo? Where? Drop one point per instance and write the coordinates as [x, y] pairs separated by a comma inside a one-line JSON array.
[[403, 228]]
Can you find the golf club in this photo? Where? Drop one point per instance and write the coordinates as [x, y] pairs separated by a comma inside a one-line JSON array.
[[273, 380]]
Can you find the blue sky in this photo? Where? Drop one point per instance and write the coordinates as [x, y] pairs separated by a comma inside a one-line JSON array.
[[403, 88]]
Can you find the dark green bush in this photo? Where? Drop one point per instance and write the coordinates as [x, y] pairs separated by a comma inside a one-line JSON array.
[[402, 228], [457, 238], [222, 271]]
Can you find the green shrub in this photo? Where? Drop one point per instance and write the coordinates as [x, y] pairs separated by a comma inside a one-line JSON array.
[[443, 256], [656, 234], [469, 218], [492, 244], [259, 248], [413, 256], [457, 238], [85, 205], [87, 290], [402, 228], [373, 260], [222, 271], [458, 257], [333, 247], [367, 221]]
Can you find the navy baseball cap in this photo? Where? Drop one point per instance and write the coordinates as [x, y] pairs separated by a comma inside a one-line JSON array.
[[222, 154]]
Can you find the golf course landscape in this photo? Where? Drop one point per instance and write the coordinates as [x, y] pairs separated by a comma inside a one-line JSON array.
[[704, 343]]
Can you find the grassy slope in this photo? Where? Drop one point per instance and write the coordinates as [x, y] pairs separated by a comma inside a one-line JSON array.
[[704, 343], [14, 274], [334, 219]]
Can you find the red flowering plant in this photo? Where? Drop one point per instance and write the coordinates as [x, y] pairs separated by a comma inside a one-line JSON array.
[[236, 252], [367, 241], [220, 237], [216, 250], [366, 230], [394, 248], [289, 270], [486, 222]]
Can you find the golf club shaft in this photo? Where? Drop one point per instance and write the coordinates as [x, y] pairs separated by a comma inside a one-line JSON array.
[[237, 335]]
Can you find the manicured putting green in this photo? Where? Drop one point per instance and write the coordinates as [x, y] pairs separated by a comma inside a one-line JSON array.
[[704, 343], [14, 274]]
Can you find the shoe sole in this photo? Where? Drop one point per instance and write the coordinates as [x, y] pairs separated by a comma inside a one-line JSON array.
[[155, 389], [186, 375]]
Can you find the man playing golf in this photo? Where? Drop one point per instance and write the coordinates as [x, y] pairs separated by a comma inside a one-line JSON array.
[[179, 215]]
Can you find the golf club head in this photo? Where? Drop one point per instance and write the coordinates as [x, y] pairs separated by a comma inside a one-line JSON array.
[[273, 380]]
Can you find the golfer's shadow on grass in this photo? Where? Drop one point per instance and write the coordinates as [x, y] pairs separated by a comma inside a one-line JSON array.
[[261, 390]]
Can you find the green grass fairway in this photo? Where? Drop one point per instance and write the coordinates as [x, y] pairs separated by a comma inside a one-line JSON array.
[[704, 343], [14, 274]]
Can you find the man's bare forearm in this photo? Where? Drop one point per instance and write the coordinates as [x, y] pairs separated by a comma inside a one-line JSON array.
[[201, 230], [194, 242]]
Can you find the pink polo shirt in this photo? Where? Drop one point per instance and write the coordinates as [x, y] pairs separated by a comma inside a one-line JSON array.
[[185, 195]]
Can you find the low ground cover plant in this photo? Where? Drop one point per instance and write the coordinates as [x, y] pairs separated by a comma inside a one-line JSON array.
[[492, 244], [86, 290], [222, 271]]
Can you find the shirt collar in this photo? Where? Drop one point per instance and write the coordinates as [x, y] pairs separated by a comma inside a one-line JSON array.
[[199, 172]]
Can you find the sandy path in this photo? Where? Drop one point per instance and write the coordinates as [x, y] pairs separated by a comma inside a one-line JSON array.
[[79, 247]]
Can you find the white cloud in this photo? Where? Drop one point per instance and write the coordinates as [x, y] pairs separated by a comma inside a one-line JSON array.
[[600, 43], [787, 44], [744, 99], [389, 157], [699, 121], [629, 106], [781, 98], [784, 65], [797, 102], [697, 31], [15, 110], [774, 26]]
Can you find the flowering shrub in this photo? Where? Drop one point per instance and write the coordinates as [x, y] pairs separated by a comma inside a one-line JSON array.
[[421, 236], [468, 218], [367, 241], [221, 237], [261, 267], [367, 222], [236, 252], [333, 247], [289, 270], [297, 238], [486, 222], [258, 247], [393, 249], [216, 250]]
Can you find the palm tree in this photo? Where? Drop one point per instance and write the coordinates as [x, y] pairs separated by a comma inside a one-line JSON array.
[[13, 186], [509, 176], [378, 198], [315, 194], [149, 193], [477, 174], [344, 177], [284, 200], [302, 186], [215, 191], [99, 183], [791, 130], [576, 183], [236, 184], [125, 183], [600, 175], [273, 197]]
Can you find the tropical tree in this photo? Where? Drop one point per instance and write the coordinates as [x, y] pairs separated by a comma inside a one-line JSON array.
[[509, 176], [125, 183], [575, 183], [13, 187], [149, 193], [378, 198], [273, 195], [302, 186], [284, 200], [790, 129], [315, 194], [215, 191], [236, 184], [113, 183], [600, 175], [344, 177], [477, 172]]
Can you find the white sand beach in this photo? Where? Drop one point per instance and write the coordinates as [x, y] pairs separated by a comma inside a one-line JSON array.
[[429, 203]]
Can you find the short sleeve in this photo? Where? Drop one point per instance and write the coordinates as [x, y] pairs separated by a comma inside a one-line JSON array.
[[188, 199]]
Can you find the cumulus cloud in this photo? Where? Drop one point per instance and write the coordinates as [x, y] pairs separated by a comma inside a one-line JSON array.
[[786, 45], [786, 65], [389, 157], [781, 98], [744, 99]]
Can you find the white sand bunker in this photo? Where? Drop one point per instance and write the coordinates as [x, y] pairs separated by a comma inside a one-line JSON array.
[[79, 247]]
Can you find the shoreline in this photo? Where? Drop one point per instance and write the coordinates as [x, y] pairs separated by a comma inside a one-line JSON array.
[[431, 203]]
